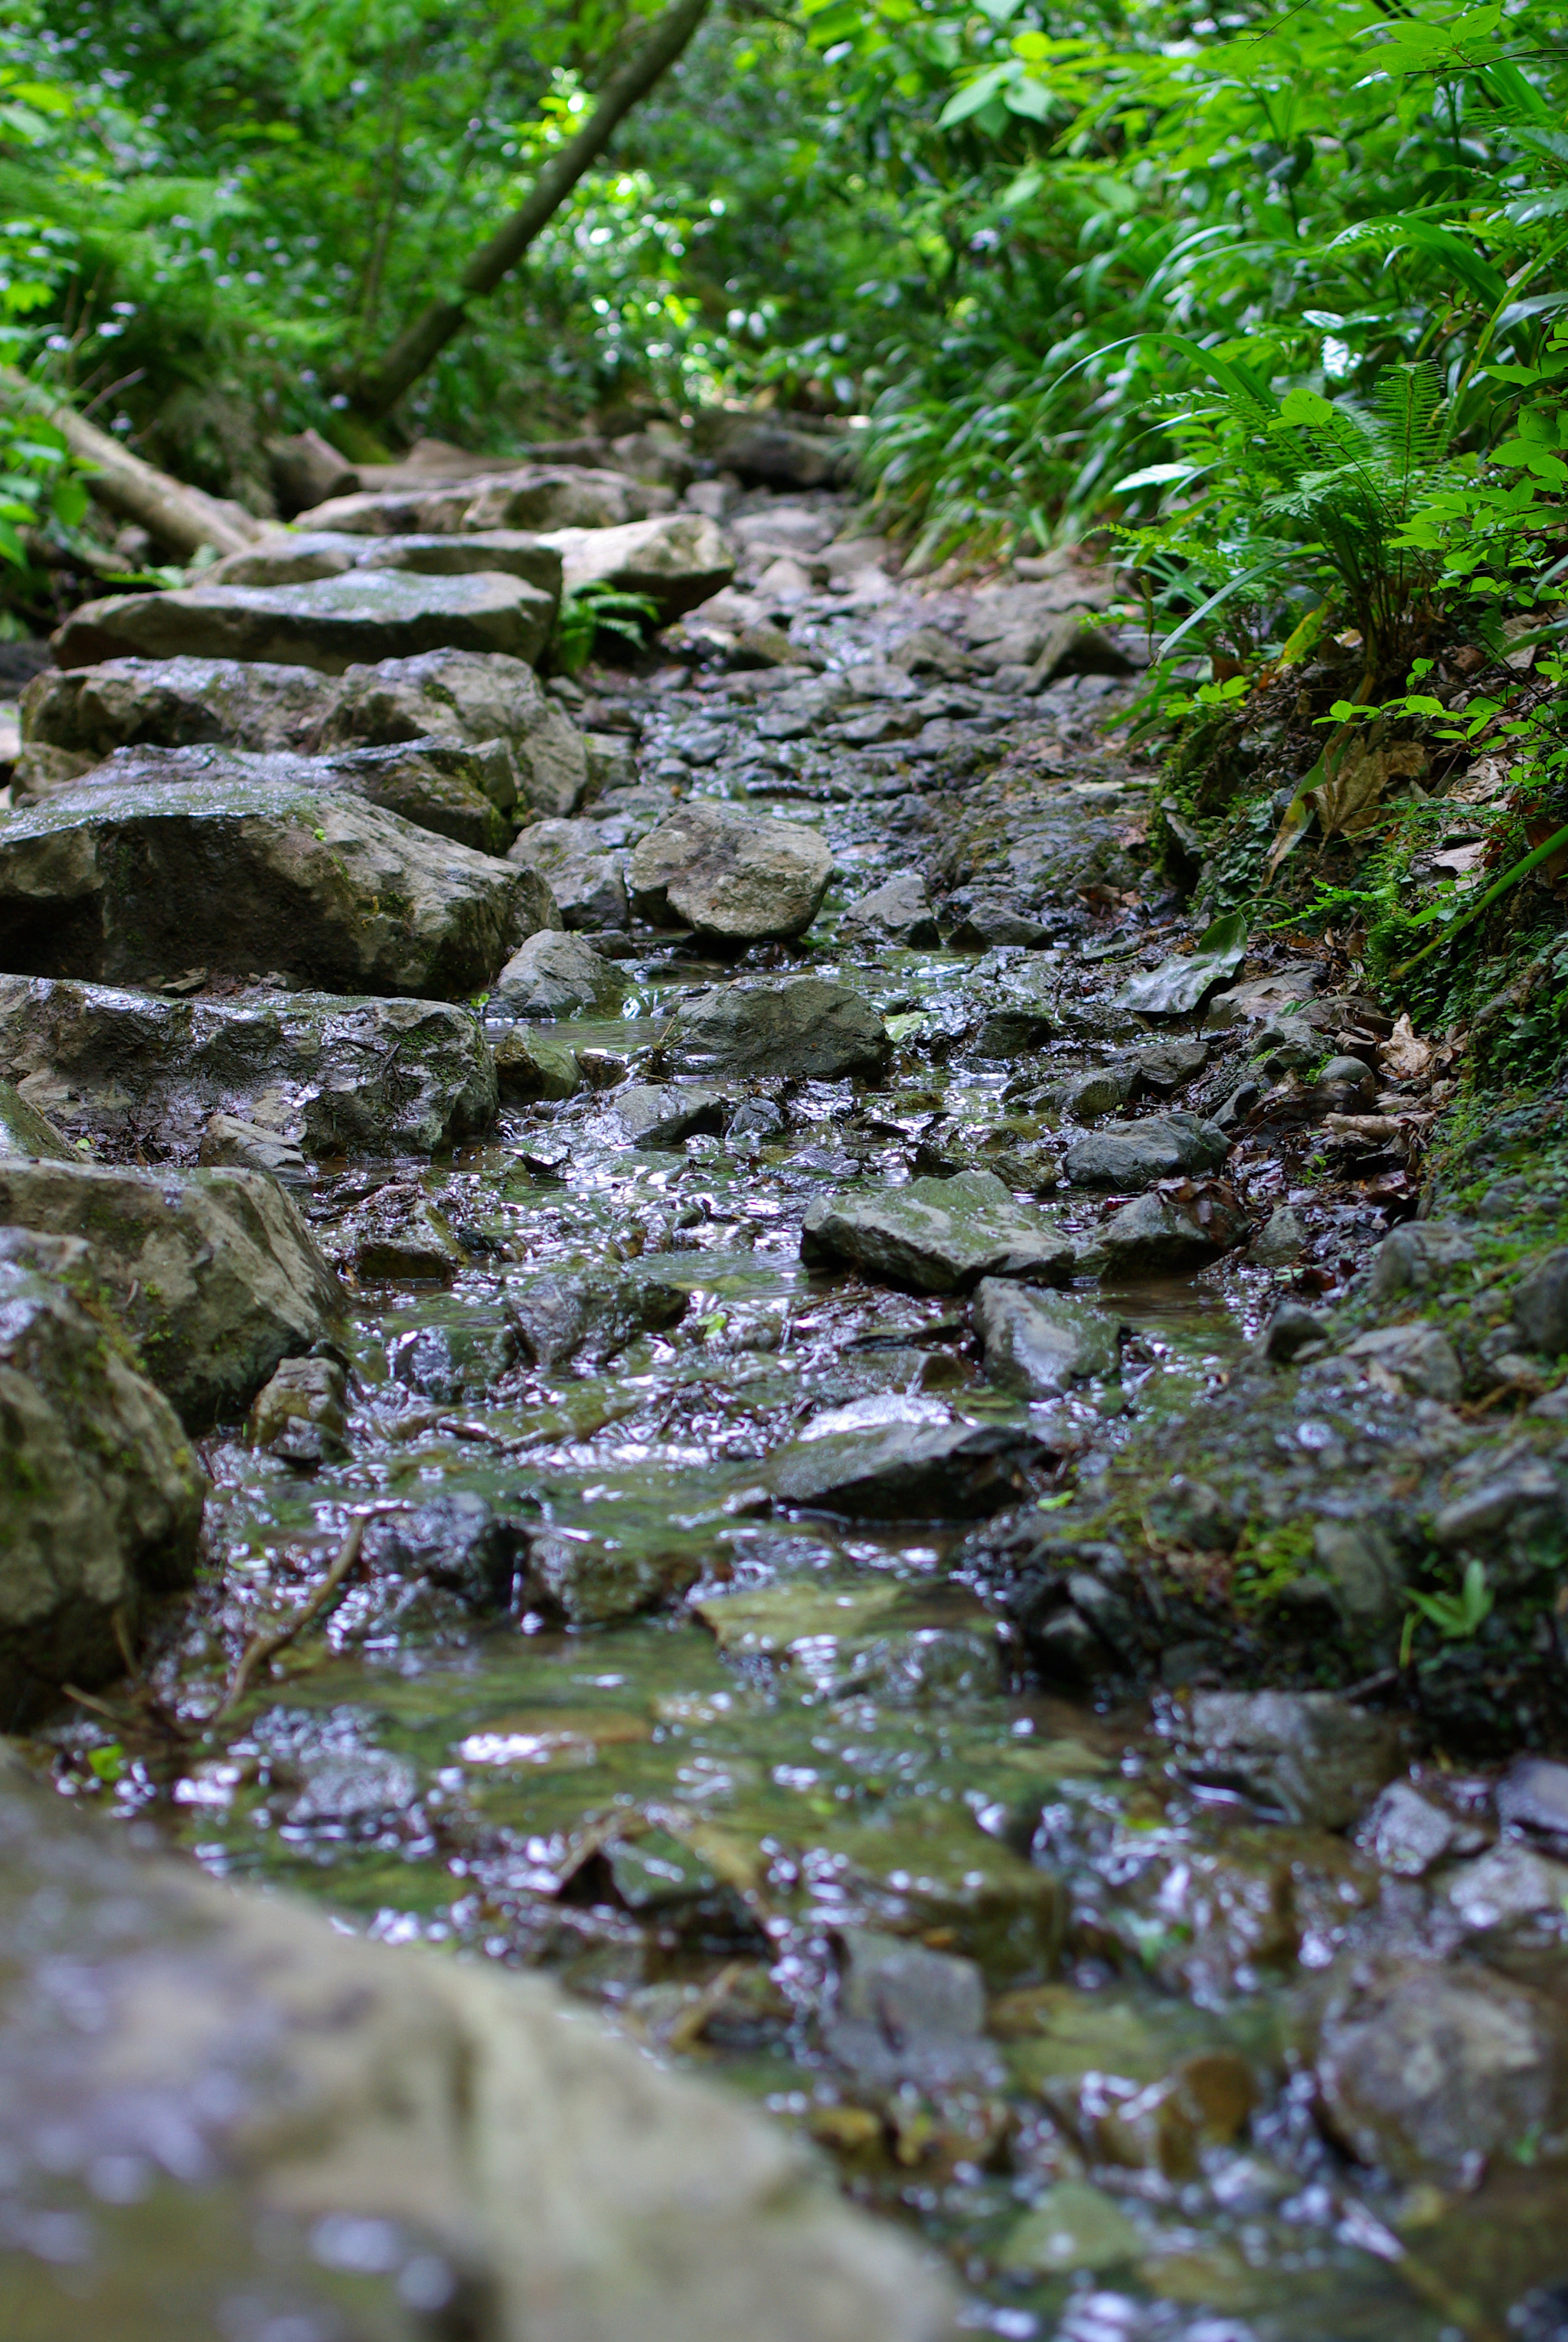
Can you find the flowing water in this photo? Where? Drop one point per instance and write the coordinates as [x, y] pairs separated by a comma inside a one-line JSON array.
[[757, 1732]]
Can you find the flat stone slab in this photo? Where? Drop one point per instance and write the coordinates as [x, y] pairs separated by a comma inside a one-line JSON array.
[[297, 556], [134, 884], [807, 1027], [729, 874], [1133, 1154], [214, 1274], [332, 1074], [528, 496], [677, 561], [941, 1236], [331, 623], [903, 1471], [477, 2130]]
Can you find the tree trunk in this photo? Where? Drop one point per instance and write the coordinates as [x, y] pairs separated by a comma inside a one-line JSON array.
[[182, 518], [377, 389]]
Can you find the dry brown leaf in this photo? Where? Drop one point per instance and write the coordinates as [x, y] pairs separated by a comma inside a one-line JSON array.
[[1488, 778], [1404, 1056], [1356, 782]]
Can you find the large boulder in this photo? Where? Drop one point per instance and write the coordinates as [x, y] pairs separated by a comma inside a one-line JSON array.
[[729, 874], [100, 1495], [941, 1236], [353, 2139], [294, 558], [332, 1074], [677, 562], [589, 890], [536, 498], [213, 1274], [330, 624], [806, 1027], [132, 885]]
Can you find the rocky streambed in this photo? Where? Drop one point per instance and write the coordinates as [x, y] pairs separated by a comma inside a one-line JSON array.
[[791, 1396]]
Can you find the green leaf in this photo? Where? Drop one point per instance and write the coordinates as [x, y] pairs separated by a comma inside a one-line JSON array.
[[1178, 985]]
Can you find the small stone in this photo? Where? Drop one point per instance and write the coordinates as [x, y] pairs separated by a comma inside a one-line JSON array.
[[805, 1025], [678, 560], [738, 877], [1408, 1833], [410, 1243], [1086, 1096], [897, 912], [1157, 1233], [1040, 1343], [1074, 2228], [1510, 1884], [1168, 1066], [1529, 1499], [1418, 1256], [1358, 1560], [664, 1114], [1283, 1238], [247, 1146], [552, 976], [531, 1064], [1532, 1795], [1309, 1753], [904, 2014], [1292, 1329], [1541, 1306], [1134, 1155], [1420, 1356], [560, 1316], [586, 883], [457, 1541], [308, 1393]]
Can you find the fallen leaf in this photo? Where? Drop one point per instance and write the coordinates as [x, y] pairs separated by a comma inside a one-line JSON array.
[[1356, 779], [1177, 986], [1460, 859], [1404, 1056]]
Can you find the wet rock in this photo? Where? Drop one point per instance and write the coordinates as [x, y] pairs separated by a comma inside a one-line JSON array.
[[1541, 1306], [457, 1542], [1309, 1754], [334, 1075], [1075, 2227], [519, 496], [805, 1025], [214, 1274], [1282, 1237], [533, 1063], [401, 1238], [1418, 1257], [662, 1114], [301, 1414], [589, 890], [24, 1131], [589, 1581], [306, 554], [329, 625], [555, 975], [1424, 2069], [1422, 1357], [897, 912], [1356, 1558], [954, 1471], [1068, 1597], [1532, 1795], [941, 1236], [228, 1144], [1135, 1154], [677, 561], [1086, 1096], [452, 1362], [475, 2137], [1160, 1233], [1409, 1834], [103, 1502], [122, 885], [1014, 996], [1041, 1343], [589, 1315], [1526, 1501], [729, 874], [1292, 1328], [1505, 1887], [774, 455], [1168, 1066], [907, 2015]]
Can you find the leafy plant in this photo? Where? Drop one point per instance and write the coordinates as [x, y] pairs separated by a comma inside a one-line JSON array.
[[594, 610], [1458, 1617]]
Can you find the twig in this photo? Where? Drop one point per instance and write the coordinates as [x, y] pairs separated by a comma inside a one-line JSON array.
[[261, 1649]]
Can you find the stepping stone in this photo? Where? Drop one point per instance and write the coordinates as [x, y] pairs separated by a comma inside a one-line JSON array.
[[336, 1075], [553, 975], [1039, 1343], [662, 1114], [941, 1236], [537, 496], [294, 558], [1158, 1235], [132, 885], [678, 561], [1133, 1156], [897, 912], [328, 625], [586, 882], [729, 874], [909, 1471]]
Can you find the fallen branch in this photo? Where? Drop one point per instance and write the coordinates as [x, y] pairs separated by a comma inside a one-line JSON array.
[[263, 1648], [181, 517]]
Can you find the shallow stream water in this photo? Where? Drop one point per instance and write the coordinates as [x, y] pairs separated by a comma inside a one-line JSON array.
[[758, 1732]]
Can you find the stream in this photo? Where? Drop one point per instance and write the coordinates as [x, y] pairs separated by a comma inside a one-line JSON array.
[[750, 1755]]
